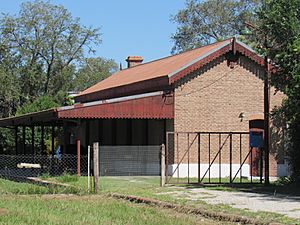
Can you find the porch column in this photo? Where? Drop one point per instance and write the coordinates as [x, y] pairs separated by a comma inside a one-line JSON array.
[[100, 131], [129, 131], [113, 131], [146, 132], [78, 148], [64, 138], [52, 139], [24, 140], [32, 140], [165, 133], [87, 135], [16, 139], [42, 139]]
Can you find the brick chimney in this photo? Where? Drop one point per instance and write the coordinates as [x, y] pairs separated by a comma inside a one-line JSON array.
[[133, 61]]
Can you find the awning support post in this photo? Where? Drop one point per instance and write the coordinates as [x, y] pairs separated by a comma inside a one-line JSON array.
[[16, 139], [78, 147], [32, 140], [78, 157], [24, 140], [52, 140], [42, 139]]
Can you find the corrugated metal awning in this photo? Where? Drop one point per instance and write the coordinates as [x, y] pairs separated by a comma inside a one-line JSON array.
[[145, 106], [155, 105]]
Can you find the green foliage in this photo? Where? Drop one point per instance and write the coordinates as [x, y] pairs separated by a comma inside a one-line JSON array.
[[42, 103], [78, 210], [43, 57], [10, 187], [279, 21], [9, 92], [203, 22], [6, 141], [46, 39], [92, 71], [41, 50]]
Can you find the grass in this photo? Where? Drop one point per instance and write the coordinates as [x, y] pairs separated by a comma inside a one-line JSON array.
[[149, 187], [10, 187], [86, 210], [141, 186]]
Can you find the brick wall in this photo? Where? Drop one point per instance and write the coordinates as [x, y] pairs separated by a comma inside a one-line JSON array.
[[212, 98]]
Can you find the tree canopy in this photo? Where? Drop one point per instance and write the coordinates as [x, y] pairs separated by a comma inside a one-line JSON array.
[[279, 22], [93, 70], [43, 52], [203, 22]]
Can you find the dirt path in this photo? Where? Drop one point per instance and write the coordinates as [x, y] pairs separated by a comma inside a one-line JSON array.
[[283, 204]]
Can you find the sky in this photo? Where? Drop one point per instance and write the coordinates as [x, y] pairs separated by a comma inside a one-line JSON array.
[[131, 27]]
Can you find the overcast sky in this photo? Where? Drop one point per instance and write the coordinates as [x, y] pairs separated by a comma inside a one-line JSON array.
[[129, 27]]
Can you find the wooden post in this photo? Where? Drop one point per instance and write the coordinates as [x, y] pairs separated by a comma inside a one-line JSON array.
[[32, 140], [16, 139], [96, 166], [230, 158], [52, 140], [266, 120], [78, 157], [24, 140], [89, 168], [42, 140], [163, 166], [64, 138], [78, 146]]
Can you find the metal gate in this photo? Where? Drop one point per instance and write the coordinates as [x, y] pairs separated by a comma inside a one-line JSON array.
[[212, 157]]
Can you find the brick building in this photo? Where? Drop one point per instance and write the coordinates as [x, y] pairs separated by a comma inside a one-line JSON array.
[[216, 89]]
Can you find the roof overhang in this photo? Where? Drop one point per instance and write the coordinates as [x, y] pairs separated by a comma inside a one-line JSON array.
[[43, 117], [154, 105], [151, 85], [232, 45]]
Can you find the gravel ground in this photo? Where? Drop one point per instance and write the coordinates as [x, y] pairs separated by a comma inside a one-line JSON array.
[[283, 204]]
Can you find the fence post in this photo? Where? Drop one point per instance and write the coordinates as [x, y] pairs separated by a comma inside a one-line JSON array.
[[89, 168], [163, 166], [96, 166], [78, 157], [230, 157]]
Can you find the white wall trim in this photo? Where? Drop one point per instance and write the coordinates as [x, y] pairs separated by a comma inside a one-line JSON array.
[[214, 170]]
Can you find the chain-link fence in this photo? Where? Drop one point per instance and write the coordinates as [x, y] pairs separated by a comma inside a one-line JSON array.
[[129, 160], [22, 166]]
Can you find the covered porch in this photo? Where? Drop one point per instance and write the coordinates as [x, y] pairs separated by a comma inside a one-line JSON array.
[[138, 120]]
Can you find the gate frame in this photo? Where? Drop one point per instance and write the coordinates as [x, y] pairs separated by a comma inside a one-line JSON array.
[[198, 136]]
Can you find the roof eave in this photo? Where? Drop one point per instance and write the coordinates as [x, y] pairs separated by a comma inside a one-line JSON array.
[[30, 118], [213, 54], [151, 85]]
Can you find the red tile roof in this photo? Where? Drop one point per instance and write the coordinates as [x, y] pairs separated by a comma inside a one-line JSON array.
[[154, 69]]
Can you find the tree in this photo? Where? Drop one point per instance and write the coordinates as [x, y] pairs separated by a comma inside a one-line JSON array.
[[92, 71], [42, 103], [203, 22], [279, 21], [44, 39], [9, 93]]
